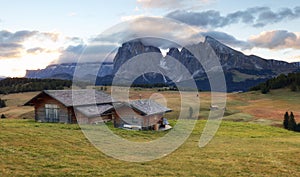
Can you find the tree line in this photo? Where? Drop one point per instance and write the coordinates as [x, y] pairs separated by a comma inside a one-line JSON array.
[[291, 80], [16, 85], [290, 123]]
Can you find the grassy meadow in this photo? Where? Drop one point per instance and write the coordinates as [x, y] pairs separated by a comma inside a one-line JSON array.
[[249, 142]]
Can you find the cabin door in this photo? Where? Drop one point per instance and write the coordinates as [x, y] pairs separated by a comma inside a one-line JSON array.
[[51, 111]]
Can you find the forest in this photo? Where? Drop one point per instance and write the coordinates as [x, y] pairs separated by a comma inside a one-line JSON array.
[[16, 85], [291, 80]]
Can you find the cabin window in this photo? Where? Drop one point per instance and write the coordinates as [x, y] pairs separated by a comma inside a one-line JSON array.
[[51, 112], [134, 120]]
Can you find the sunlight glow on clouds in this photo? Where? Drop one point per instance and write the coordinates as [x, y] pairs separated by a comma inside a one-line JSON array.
[[277, 39], [28, 50], [16, 67]]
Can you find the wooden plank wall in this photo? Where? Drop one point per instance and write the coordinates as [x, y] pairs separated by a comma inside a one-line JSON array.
[[41, 113]]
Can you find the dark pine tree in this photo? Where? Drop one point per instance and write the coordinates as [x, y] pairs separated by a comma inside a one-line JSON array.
[[292, 123], [286, 120]]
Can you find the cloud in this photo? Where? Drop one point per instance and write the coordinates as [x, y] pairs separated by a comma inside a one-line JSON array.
[[273, 40], [256, 17], [19, 36], [228, 39], [132, 17], [35, 50], [16, 44], [152, 31], [71, 54], [277, 39], [87, 53], [167, 32], [9, 50], [170, 4], [10, 43]]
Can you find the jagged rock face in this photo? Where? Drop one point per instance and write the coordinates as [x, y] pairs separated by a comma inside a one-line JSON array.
[[186, 58], [230, 59], [129, 50]]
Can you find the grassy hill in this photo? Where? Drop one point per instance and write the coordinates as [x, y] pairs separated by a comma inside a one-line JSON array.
[[238, 149], [245, 144]]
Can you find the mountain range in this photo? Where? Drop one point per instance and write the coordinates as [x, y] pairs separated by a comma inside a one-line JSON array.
[[241, 71], [66, 70]]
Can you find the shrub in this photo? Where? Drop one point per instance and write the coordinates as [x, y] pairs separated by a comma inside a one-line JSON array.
[[265, 90], [292, 125]]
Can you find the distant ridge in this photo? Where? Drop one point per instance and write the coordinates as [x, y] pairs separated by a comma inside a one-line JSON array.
[[66, 70]]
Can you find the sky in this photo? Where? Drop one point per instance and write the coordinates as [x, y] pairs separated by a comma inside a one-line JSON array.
[[34, 33]]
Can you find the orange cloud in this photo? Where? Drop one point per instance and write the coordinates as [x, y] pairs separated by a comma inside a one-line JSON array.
[[277, 39]]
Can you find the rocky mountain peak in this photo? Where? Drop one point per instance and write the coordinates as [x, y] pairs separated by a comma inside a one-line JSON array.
[[131, 49], [173, 52], [218, 46]]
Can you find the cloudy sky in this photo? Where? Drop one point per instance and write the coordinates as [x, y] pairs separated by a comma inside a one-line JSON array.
[[34, 34]]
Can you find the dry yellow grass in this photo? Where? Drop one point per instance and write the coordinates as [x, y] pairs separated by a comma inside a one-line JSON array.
[[271, 106], [15, 108]]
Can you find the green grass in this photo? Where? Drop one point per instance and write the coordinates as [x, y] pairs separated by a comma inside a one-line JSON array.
[[28, 148]]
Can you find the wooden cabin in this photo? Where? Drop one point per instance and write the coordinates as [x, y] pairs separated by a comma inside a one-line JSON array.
[[64, 106], [93, 107], [140, 114]]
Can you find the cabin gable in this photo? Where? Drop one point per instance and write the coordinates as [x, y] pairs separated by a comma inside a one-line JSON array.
[[48, 109]]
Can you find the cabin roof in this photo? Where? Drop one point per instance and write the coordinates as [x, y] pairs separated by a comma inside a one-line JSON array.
[[94, 110], [148, 107], [75, 97]]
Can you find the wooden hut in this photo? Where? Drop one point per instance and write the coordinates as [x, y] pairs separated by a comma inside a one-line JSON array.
[[90, 106], [139, 114]]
